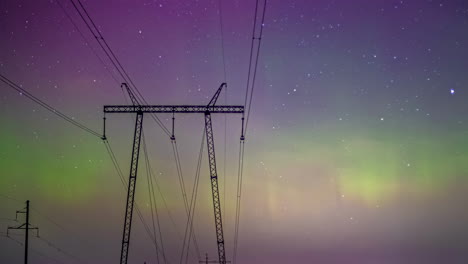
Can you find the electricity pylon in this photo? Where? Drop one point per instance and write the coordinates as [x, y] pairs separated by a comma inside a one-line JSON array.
[[207, 110], [206, 261]]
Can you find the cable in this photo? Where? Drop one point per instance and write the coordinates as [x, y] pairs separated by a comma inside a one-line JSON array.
[[238, 200], [114, 60], [48, 219], [184, 194], [52, 245], [220, 12], [11, 198], [87, 42], [34, 251], [195, 189], [259, 38], [124, 184], [62, 228], [251, 54], [148, 177], [189, 225], [7, 219], [9, 234], [71, 120], [165, 204], [222, 38], [179, 174], [242, 144], [153, 201]]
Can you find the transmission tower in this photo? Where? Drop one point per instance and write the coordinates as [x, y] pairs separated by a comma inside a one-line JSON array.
[[207, 110], [26, 226], [206, 261]]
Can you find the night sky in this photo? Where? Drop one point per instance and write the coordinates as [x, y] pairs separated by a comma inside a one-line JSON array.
[[356, 149]]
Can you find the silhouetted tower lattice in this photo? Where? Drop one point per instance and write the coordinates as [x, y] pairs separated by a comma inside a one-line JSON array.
[[207, 110], [206, 261]]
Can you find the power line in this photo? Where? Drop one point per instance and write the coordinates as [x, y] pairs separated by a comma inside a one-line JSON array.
[[49, 219], [7, 219], [220, 12], [184, 195], [191, 236], [124, 184], [253, 64], [222, 38], [71, 120], [152, 200], [35, 251], [193, 201], [64, 252], [238, 198], [259, 38], [61, 227], [189, 225], [113, 58], [182, 186], [251, 54], [10, 198], [86, 41]]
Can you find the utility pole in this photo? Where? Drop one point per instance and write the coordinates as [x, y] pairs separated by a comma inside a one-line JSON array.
[[206, 261], [139, 110], [25, 226]]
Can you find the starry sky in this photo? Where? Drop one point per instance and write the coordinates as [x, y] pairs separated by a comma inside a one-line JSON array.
[[356, 149]]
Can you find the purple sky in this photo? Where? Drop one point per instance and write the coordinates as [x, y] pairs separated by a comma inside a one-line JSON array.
[[356, 149]]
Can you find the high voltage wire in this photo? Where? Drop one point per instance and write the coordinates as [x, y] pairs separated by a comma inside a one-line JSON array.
[[254, 64], [123, 73], [66, 253], [167, 208], [111, 55], [238, 198], [113, 58], [184, 194], [195, 189], [35, 251], [179, 174], [6, 219], [120, 174], [119, 171], [87, 42], [150, 172], [124, 184], [181, 183], [222, 38], [71, 120], [11, 198], [62, 228], [220, 12], [189, 225], [153, 203]]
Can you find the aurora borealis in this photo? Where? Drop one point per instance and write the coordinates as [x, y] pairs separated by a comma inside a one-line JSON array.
[[356, 151]]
